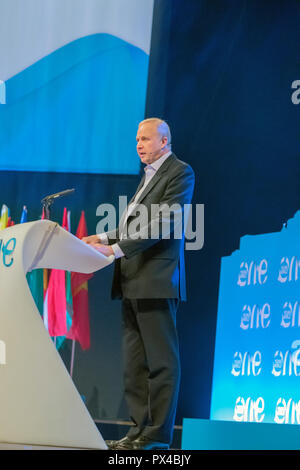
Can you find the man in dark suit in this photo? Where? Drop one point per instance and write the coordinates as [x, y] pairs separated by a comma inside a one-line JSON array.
[[149, 277]]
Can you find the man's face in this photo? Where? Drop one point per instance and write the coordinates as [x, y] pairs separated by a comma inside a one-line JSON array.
[[149, 143]]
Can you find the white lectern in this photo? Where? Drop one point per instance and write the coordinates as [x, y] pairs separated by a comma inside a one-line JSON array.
[[39, 404]]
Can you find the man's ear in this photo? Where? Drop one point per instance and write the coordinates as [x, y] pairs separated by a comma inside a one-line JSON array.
[[164, 142]]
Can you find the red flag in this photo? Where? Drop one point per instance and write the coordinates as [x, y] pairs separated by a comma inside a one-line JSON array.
[[55, 300], [80, 329], [10, 222]]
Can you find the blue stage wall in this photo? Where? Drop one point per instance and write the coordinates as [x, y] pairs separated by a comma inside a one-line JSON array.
[[222, 73]]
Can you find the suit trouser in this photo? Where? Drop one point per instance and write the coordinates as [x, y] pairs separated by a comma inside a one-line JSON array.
[[151, 366]]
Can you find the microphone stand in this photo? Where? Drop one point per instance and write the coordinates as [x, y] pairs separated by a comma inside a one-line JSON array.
[[46, 208], [48, 201]]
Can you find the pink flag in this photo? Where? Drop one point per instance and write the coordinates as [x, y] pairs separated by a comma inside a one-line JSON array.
[[80, 329], [55, 299]]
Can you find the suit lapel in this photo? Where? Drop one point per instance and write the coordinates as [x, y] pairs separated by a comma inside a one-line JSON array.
[[138, 188], [163, 169]]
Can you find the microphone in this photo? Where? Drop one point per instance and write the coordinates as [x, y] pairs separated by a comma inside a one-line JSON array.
[[47, 201], [50, 198], [157, 152]]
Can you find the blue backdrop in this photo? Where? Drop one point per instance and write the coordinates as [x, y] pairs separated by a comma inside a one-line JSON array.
[[77, 109], [221, 73]]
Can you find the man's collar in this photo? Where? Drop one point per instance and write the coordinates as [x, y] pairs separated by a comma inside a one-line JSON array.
[[157, 164]]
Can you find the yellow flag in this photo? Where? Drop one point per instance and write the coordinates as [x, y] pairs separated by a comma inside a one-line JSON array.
[[4, 217]]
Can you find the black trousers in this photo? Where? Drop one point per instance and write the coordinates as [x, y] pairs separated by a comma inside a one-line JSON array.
[[151, 366]]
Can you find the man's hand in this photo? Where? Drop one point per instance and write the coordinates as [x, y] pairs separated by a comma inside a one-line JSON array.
[[92, 239], [104, 249]]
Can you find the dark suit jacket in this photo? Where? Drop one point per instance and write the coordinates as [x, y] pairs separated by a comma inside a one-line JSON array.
[[154, 268]]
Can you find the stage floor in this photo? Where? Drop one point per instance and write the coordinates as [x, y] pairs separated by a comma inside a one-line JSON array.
[[8, 446]]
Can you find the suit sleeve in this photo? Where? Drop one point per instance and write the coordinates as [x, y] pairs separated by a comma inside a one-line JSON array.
[[168, 217], [112, 236]]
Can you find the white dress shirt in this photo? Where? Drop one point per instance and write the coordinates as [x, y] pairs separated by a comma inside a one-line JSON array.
[[150, 171]]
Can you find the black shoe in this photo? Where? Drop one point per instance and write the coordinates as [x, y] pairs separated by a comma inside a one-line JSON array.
[[122, 444], [144, 443]]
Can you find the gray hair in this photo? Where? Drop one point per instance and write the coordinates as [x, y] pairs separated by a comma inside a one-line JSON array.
[[162, 128]]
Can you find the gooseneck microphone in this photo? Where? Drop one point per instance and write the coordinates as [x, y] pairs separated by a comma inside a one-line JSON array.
[[47, 201], [157, 152], [56, 195]]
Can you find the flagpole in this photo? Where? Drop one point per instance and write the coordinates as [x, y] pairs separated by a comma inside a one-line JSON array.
[[72, 357]]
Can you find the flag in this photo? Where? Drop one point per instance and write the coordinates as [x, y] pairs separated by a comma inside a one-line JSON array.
[[69, 299], [55, 305], [10, 222], [24, 215], [4, 217], [34, 277], [45, 281], [69, 296], [80, 329]]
